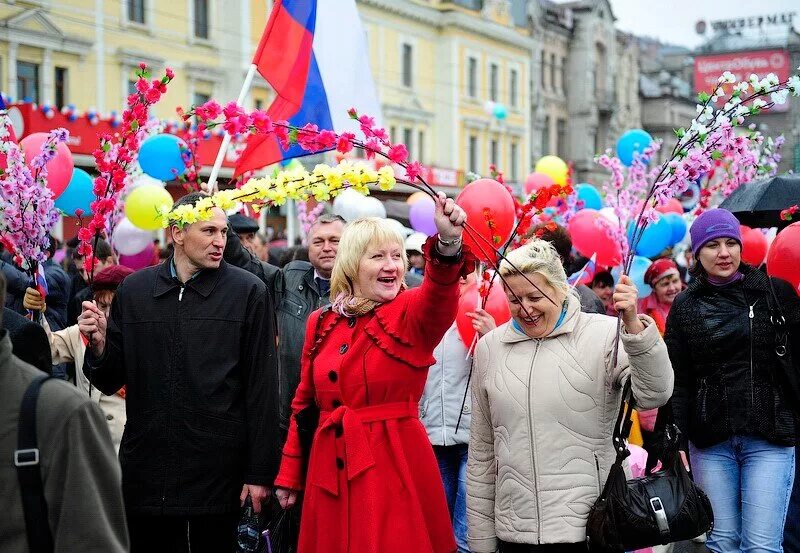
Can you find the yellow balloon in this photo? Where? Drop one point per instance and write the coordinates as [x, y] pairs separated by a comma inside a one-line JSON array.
[[143, 203], [415, 197], [554, 167]]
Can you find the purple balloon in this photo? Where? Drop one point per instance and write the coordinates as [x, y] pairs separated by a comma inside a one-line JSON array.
[[420, 215], [140, 260]]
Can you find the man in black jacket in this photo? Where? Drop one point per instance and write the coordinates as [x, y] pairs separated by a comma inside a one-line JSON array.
[[188, 339]]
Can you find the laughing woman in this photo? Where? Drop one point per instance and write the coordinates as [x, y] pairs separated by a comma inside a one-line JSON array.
[[373, 484], [545, 396]]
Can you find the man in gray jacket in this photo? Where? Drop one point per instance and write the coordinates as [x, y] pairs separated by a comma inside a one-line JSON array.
[[80, 473]]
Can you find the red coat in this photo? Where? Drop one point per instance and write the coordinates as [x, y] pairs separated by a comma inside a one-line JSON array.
[[373, 482]]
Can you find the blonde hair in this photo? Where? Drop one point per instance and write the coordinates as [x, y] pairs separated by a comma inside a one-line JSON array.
[[356, 239], [537, 256]]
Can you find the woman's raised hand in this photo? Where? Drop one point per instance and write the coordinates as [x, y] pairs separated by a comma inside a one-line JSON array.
[[625, 298], [449, 218]]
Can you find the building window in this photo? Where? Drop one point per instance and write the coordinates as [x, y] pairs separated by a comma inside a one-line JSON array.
[[561, 138], [136, 11], [553, 71], [421, 147], [393, 134], [564, 75], [472, 77], [198, 99], [407, 65], [60, 83], [473, 154], [201, 18], [493, 152], [514, 162], [546, 136], [512, 88], [408, 138], [131, 87], [494, 71], [259, 104], [543, 63], [27, 81]]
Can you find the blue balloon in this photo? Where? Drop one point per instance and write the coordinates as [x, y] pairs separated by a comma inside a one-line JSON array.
[[500, 111], [160, 155], [678, 226], [631, 142], [638, 269], [590, 196], [79, 194], [655, 238]]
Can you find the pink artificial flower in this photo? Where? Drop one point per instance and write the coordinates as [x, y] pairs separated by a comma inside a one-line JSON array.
[[413, 170], [326, 139], [352, 113], [142, 86], [398, 153], [380, 134], [371, 147], [262, 122], [153, 95], [170, 73], [345, 142]]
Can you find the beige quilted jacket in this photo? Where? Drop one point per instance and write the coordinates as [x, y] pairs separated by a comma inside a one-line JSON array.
[[542, 418]]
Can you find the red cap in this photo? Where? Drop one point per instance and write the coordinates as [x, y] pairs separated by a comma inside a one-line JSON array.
[[110, 277], [659, 269]]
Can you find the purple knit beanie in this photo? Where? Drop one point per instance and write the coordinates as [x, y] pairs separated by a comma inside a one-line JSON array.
[[713, 224]]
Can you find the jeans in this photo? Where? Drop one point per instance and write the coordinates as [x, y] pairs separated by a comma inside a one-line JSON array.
[[748, 481], [453, 468], [506, 547], [791, 535]]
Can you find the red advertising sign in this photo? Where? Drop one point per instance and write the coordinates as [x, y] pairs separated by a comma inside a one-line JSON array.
[[707, 69]]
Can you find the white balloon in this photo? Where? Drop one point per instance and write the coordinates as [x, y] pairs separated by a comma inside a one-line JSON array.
[[128, 239], [373, 207], [398, 226], [608, 213], [351, 205], [145, 179]]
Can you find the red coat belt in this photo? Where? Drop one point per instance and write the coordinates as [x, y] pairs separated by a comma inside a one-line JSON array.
[[348, 423]]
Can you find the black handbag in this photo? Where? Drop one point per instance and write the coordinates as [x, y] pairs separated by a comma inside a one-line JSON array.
[[787, 372], [659, 508]]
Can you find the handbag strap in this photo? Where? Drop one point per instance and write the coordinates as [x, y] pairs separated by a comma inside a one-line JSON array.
[[778, 321], [622, 429], [27, 460]]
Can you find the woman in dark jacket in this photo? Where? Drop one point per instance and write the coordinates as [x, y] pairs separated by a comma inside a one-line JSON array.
[[727, 399]]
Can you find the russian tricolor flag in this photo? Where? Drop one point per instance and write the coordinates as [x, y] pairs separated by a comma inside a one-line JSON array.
[[314, 54]]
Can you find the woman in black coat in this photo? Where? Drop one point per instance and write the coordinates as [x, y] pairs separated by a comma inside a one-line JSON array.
[[729, 399]]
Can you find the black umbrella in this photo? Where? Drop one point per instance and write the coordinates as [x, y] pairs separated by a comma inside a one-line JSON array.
[[759, 204]]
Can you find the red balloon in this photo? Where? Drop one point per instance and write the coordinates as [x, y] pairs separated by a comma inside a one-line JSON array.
[[589, 237], [482, 198], [783, 260], [496, 306], [754, 246], [673, 205], [535, 181], [59, 169]]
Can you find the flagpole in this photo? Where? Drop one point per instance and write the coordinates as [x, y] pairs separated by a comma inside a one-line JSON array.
[[226, 140]]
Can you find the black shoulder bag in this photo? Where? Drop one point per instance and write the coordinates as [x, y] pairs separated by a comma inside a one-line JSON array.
[[26, 459], [659, 508], [787, 373]]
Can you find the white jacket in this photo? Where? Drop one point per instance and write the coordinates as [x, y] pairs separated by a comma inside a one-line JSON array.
[[441, 401], [543, 413], [67, 345]]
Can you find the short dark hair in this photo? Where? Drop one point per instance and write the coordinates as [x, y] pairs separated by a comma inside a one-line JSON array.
[[604, 278], [325, 219], [558, 236], [189, 199]]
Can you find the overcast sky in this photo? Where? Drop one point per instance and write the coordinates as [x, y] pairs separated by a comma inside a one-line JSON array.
[[674, 21]]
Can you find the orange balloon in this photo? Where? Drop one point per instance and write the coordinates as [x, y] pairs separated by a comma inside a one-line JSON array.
[[415, 197]]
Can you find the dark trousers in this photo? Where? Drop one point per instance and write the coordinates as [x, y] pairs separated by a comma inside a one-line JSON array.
[[198, 534], [506, 547]]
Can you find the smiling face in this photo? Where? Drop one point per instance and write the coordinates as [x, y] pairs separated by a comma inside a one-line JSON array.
[[202, 243], [667, 289], [721, 257], [603, 291], [534, 313], [323, 242], [380, 272]]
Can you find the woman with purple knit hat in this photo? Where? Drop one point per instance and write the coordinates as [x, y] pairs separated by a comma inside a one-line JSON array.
[[739, 426]]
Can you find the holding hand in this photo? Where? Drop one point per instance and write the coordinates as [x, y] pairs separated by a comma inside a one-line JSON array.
[[33, 300], [92, 324], [482, 321], [286, 498], [625, 298], [449, 219], [258, 494]]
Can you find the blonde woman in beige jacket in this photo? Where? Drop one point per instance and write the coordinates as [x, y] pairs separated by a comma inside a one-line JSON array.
[[545, 396]]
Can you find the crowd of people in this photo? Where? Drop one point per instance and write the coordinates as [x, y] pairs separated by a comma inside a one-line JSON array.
[[337, 386]]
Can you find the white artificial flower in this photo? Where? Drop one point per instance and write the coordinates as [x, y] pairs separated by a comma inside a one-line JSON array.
[[742, 86], [779, 96], [794, 85], [728, 77], [3, 131], [741, 110], [759, 103], [773, 79]]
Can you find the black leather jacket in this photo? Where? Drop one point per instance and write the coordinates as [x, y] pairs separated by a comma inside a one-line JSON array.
[[722, 347]]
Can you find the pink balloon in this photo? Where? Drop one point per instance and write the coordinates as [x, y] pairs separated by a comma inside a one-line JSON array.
[[140, 260], [59, 169], [535, 181], [673, 205]]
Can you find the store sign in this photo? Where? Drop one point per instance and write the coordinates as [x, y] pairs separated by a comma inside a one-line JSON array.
[[753, 22], [707, 69]]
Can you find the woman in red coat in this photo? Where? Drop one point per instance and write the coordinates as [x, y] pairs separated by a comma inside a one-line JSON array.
[[373, 484]]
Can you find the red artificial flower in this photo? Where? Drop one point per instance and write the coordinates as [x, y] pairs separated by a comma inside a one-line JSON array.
[[380, 134], [352, 113], [282, 134], [371, 147], [170, 73], [153, 95], [398, 153], [142, 86], [79, 213], [262, 122], [326, 139], [345, 142]]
